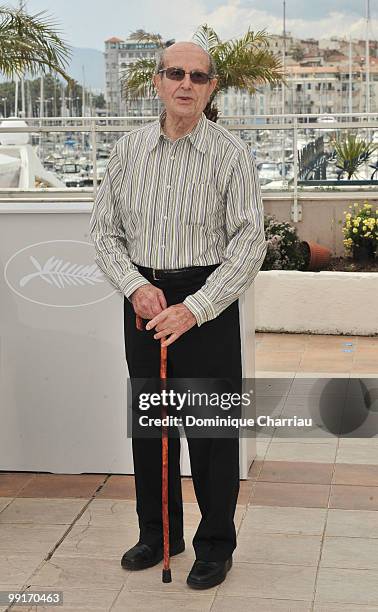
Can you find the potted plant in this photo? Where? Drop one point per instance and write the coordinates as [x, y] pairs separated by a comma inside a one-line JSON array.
[[317, 256], [284, 249], [360, 231], [351, 154]]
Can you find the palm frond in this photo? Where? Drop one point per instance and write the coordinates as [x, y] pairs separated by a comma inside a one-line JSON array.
[[206, 37], [136, 79], [143, 36], [31, 43], [252, 40], [247, 62]]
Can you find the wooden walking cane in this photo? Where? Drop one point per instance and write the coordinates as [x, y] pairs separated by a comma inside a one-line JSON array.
[[166, 574]]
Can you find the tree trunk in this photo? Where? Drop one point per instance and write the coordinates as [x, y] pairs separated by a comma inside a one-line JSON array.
[[211, 111]]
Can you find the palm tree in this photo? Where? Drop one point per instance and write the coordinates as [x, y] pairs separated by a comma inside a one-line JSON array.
[[352, 153], [243, 63], [30, 43], [136, 79]]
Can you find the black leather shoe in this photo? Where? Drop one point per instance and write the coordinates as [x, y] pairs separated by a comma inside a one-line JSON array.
[[142, 556], [206, 574]]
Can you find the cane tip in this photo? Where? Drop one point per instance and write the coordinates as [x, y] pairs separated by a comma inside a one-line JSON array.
[[167, 577]]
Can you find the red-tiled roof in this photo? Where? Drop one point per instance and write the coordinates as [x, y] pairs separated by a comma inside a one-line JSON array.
[[114, 39]]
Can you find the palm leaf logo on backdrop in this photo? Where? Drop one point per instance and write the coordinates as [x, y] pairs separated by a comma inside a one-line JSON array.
[[59, 273]]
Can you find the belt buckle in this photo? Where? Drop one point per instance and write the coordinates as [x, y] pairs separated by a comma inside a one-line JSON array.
[[153, 274]]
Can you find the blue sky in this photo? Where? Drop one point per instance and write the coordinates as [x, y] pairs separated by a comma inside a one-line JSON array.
[[87, 23]]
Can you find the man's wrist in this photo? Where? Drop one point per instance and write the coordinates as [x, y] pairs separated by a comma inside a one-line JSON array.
[[131, 283], [200, 306]]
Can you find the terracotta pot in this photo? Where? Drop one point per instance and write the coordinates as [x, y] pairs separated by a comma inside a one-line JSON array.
[[319, 256]]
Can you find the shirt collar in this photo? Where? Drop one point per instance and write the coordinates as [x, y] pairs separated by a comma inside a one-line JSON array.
[[198, 135]]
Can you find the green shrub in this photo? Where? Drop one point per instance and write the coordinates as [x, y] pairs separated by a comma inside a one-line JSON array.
[[284, 249]]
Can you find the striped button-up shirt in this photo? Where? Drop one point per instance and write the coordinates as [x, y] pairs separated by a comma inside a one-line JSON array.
[[194, 201]]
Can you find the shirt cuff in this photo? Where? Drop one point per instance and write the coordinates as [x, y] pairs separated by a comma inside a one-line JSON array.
[[200, 306], [132, 281]]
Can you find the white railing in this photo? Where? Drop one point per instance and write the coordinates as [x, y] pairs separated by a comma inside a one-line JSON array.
[[289, 131]]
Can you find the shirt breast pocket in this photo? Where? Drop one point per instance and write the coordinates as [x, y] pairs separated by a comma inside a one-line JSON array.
[[202, 203]]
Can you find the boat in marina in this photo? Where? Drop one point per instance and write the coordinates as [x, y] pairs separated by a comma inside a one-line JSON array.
[[20, 166], [72, 174]]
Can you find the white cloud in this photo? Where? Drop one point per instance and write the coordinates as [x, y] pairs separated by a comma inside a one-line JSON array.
[[232, 19]]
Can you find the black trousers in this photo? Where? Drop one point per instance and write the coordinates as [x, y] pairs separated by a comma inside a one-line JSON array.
[[211, 350]]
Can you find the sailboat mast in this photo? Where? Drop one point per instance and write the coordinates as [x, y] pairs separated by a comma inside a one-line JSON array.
[[42, 98], [22, 4], [367, 57], [283, 166], [16, 97], [284, 54], [350, 76], [83, 94]]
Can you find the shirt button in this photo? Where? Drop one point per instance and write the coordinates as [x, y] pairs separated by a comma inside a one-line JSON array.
[[172, 156], [163, 246], [168, 186], [165, 218]]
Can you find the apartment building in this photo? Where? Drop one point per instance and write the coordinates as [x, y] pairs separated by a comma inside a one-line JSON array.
[[119, 54], [317, 82]]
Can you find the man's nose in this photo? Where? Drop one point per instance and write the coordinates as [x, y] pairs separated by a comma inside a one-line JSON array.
[[186, 83]]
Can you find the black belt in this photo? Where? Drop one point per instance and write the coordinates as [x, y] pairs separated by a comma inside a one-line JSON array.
[[174, 273]]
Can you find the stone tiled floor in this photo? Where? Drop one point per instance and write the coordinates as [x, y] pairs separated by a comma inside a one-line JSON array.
[[301, 353], [307, 517]]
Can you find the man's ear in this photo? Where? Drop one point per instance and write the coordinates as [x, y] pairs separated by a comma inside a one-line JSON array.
[[214, 83], [155, 80]]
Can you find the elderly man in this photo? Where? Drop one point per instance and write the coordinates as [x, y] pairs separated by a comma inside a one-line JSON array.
[[178, 229]]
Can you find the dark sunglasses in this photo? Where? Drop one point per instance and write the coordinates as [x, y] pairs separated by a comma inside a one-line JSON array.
[[178, 74]]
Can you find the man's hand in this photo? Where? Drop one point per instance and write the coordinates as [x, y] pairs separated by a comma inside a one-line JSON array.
[[148, 301], [173, 321]]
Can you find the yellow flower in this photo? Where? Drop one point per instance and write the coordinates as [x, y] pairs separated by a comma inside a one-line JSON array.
[[355, 230], [355, 205], [364, 228]]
